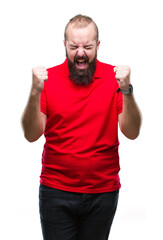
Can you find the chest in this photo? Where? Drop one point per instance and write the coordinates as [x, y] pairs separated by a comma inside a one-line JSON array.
[[64, 99]]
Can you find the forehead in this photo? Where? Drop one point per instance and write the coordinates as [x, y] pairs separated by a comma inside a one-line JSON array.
[[79, 35]]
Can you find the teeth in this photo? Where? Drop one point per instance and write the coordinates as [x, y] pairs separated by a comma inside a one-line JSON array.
[[81, 61], [81, 64]]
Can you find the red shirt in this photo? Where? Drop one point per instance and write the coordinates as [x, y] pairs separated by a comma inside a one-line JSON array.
[[81, 149]]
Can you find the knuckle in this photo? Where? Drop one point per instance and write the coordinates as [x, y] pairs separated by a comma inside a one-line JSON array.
[[37, 75], [34, 71]]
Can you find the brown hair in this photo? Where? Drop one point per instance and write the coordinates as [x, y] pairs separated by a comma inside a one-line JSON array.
[[81, 21]]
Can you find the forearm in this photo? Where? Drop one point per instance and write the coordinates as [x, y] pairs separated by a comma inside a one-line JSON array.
[[130, 118], [32, 119]]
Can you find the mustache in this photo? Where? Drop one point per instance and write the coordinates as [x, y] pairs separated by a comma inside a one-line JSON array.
[[76, 58], [81, 77]]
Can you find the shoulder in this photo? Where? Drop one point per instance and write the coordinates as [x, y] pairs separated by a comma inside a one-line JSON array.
[[105, 69], [57, 75], [55, 69], [106, 66], [58, 72]]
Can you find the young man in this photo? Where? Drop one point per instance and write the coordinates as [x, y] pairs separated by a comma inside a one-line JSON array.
[[81, 102]]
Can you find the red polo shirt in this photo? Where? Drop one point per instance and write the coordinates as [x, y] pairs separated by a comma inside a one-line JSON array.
[[81, 149]]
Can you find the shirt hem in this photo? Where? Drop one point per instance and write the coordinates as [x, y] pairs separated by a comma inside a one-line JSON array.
[[81, 190]]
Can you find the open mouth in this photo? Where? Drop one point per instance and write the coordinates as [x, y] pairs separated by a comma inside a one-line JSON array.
[[81, 64]]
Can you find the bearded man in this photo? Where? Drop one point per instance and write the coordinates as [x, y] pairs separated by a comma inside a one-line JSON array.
[[77, 105]]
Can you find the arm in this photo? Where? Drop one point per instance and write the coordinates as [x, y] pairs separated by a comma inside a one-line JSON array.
[[33, 121], [130, 118]]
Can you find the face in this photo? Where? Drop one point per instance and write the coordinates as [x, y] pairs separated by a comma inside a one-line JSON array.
[[81, 52]]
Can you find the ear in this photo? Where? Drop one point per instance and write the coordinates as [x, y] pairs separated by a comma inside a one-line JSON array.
[[98, 44], [64, 42]]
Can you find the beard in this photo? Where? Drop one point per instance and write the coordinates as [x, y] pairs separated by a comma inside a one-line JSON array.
[[82, 76]]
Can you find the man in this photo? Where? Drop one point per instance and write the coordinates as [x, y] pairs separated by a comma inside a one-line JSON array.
[[82, 101]]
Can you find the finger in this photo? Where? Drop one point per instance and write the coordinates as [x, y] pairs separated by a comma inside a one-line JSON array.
[[42, 70], [40, 67], [118, 68], [118, 79], [44, 76], [44, 73], [123, 68]]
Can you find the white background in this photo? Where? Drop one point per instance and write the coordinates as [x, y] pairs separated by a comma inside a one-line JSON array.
[[32, 35]]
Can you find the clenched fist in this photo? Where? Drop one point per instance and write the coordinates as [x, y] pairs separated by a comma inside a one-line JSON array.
[[122, 74], [40, 75]]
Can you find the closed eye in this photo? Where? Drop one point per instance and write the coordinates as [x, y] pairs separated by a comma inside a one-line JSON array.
[[88, 47], [73, 47]]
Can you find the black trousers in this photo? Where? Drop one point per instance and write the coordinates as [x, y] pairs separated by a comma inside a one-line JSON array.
[[76, 216]]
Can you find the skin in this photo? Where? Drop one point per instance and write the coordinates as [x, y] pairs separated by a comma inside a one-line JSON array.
[[33, 120], [80, 42], [130, 118]]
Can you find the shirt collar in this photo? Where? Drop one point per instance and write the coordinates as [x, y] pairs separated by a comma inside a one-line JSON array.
[[98, 73]]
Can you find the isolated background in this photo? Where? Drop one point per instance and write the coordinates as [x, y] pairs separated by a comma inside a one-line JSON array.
[[32, 35]]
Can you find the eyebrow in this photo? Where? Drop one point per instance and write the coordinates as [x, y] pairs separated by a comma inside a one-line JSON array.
[[89, 44], [74, 45]]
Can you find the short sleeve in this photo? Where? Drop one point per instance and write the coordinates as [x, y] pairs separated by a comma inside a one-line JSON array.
[[43, 102]]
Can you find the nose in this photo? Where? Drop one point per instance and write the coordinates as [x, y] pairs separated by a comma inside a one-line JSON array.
[[80, 52]]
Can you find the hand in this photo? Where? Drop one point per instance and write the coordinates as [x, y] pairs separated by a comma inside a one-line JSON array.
[[123, 76], [40, 75]]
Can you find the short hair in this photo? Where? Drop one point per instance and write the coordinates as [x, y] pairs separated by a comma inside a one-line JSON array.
[[81, 21]]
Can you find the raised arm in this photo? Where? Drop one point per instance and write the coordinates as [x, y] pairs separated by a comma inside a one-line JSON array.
[[130, 118], [33, 120]]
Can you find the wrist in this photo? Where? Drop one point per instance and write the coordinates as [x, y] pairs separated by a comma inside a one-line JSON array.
[[126, 92]]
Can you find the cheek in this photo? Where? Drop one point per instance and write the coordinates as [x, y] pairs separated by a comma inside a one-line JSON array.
[[71, 55], [90, 55]]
